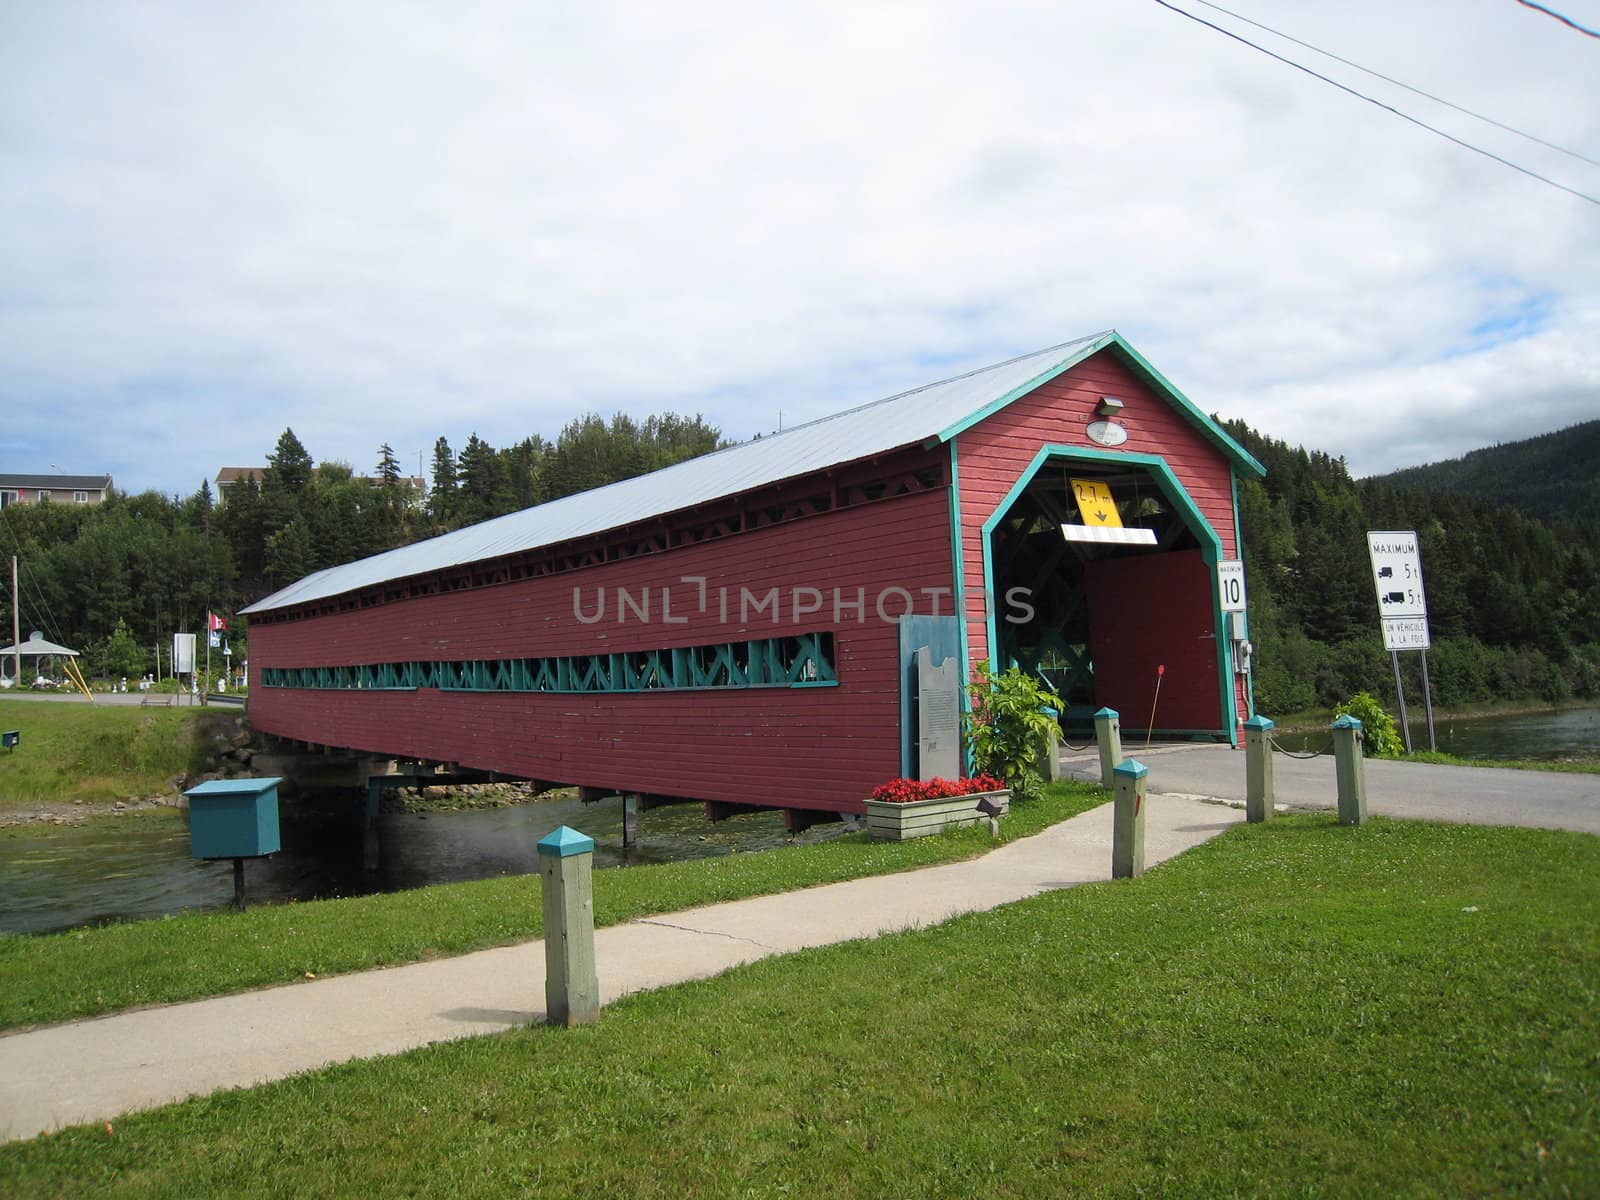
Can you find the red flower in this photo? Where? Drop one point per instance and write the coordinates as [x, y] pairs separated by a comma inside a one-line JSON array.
[[904, 791]]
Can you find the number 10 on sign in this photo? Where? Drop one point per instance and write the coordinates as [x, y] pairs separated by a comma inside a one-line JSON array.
[[1230, 585]]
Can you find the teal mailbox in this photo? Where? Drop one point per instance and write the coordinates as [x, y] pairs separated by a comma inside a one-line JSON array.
[[234, 818]]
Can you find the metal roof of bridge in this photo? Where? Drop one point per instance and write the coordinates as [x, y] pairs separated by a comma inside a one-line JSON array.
[[936, 411]]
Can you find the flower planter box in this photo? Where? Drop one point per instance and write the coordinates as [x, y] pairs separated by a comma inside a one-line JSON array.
[[888, 822]]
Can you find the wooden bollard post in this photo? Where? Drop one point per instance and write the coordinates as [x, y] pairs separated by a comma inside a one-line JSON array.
[[1127, 828], [1350, 766], [1258, 788], [566, 867], [1050, 751], [1108, 734]]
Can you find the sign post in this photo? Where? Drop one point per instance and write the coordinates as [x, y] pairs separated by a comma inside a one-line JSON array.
[[1402, 610]]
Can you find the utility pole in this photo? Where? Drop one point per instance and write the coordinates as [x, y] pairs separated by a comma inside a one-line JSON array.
[[16, 626]]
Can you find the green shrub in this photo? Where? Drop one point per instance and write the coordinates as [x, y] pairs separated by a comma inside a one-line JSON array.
[[1380, 738], [1008, 724]]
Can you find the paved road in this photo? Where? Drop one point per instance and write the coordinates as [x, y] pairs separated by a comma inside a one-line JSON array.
[[132, 698], [95, 1070], [1471, 795]]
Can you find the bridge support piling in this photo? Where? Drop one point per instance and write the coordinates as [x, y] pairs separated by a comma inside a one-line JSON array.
[[630, 819], [370, 848]]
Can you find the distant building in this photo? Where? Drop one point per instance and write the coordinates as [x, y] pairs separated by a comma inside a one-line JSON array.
[[66, 489], [229, 476], [416, 485]]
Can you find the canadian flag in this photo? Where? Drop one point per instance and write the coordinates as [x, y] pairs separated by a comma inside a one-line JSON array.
[[215, 623]]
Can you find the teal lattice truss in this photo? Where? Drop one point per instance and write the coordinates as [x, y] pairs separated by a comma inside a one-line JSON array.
[[805, 660]]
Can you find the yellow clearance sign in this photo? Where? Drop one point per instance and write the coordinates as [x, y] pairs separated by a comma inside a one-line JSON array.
[[1096, 504]]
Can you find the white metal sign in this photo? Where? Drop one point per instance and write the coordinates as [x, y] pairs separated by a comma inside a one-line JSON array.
[[1397, 576], [1406, 633], [1230, 585], [1397, 572]]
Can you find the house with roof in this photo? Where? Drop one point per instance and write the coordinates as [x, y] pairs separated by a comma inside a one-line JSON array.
[[741, 628], [34, 488]]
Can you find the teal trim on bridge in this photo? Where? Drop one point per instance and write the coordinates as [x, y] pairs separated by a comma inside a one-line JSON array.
[[805, 660]]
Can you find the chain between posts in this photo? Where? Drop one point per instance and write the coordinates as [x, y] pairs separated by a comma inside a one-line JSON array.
[[1291, 754]]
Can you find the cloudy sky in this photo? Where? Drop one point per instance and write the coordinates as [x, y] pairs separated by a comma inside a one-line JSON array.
[[387, 222]]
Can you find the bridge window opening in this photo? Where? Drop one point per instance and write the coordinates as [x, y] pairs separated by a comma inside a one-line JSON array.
[[805, 660]]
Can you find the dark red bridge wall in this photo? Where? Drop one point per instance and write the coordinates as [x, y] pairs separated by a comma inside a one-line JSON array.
[[817, 747], [992, 455], [1150, 612]]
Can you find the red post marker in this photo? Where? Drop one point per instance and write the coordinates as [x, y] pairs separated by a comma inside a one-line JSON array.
[[1161, 669]]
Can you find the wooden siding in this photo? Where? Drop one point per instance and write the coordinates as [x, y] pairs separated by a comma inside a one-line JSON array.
[[992, 455], [809, 747]]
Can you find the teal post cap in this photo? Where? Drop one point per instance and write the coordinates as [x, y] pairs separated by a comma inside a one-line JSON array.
[[1346, 722], [1259, 722], [1131, 766], [565, 842], [1107, 714], [235, 787]]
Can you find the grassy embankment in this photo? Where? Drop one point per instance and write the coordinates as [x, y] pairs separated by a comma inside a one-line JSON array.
[[1293, 1009], [91, 971], [97, 754]]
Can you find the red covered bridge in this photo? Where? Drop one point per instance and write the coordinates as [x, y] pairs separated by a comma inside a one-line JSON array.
[[729, 629]]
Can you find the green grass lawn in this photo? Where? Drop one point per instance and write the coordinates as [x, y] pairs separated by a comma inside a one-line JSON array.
[[1573, 766], [94, 753], [1295, 1009], [87, 972]]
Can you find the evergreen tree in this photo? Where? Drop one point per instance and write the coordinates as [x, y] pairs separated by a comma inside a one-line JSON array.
[[442, 499], [288, 466], [388, 465], [118, 655], [290, 554], [481, 482]]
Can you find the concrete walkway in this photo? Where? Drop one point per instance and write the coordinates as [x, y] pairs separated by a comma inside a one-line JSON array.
[[96, 1070], [1416, 791]]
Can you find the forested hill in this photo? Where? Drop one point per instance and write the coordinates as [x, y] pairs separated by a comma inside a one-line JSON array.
[[117, 579], [1556, 475], [1513, 604]]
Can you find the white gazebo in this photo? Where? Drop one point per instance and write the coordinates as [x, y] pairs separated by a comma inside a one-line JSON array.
[[35, 648]]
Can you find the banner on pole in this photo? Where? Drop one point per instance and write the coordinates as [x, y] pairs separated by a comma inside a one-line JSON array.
[[183, 654]]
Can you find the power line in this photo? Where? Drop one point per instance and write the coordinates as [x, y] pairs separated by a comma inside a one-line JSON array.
[[1550, 12], [1399, 84], [1449, 137]]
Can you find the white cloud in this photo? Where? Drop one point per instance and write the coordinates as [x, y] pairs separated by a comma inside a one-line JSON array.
[[384, 223]]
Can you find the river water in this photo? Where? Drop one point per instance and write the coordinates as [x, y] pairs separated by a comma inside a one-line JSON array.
[[1547, 736], [138, 866]]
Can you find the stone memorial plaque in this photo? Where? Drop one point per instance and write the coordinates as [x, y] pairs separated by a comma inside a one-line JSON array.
[[938, 717]]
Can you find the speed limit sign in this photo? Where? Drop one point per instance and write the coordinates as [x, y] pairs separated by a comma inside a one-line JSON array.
[[1230, 585]]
